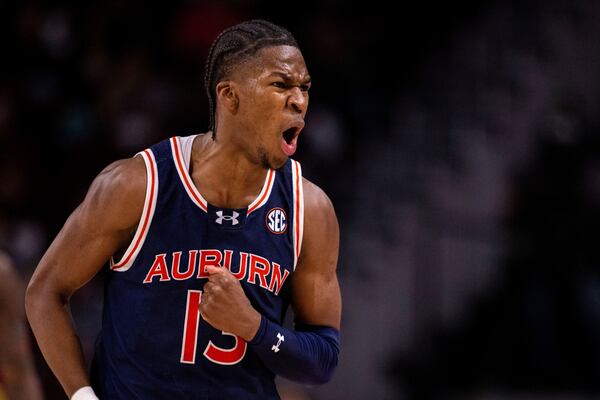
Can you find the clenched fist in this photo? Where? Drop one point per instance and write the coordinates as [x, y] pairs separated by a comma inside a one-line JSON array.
[[225, 306]]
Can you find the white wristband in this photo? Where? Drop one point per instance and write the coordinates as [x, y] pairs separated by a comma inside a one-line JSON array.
[[84, 393]]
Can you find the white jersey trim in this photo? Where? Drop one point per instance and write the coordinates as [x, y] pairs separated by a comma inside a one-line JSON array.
[[136, 244], [185, 143], [181, 147], [181, 158], [298, 196]]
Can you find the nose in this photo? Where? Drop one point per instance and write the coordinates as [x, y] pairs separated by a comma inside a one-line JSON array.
[[298, 100]]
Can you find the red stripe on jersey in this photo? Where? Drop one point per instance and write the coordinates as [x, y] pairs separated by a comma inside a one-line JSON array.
[[265, 193], [146, 217]]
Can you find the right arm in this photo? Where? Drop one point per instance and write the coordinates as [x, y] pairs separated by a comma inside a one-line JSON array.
[[101, 225]]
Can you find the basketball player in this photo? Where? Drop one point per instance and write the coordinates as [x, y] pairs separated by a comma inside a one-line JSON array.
[[208, 238], [18, 376]]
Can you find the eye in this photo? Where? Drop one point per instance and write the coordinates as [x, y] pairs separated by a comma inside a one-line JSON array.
[[305, 88], [279, 84]]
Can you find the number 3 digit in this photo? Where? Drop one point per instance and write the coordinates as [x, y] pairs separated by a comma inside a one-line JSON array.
[[214, 353]]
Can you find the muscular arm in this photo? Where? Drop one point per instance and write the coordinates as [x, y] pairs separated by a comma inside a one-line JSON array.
[[16, 362], [316, 298], [99, 227], [309, 354]]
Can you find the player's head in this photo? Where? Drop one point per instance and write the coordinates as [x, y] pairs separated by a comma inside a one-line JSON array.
[[235, 45], [255, 69]]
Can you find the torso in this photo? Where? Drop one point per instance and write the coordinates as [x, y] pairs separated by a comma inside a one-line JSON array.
[[154, 344]]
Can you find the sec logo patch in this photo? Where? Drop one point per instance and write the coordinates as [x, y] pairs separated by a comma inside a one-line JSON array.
[[276, 221]]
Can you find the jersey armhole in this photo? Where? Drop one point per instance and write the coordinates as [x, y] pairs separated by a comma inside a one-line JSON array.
[[298, 196], [128, 258]]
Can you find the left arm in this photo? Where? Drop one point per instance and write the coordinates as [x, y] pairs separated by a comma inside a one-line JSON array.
[[316, 297], [308, 354]]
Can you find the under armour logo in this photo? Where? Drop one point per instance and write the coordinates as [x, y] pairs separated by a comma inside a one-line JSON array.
[[232, 218], [280, 338]]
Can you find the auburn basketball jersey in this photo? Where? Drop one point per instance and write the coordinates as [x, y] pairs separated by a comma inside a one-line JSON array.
[[154, 344]]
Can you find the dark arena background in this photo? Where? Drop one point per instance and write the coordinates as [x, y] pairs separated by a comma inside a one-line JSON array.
[[458, 141]]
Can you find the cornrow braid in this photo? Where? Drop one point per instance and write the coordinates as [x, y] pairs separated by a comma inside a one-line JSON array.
[[235, 45]]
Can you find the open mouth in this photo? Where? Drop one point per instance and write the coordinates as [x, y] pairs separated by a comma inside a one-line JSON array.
[[290, 140], [290, 134]]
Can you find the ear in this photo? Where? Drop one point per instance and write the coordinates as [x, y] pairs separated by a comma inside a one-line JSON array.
[[227, 96]]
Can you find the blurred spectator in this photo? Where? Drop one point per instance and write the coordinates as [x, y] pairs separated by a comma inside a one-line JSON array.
[[18, 375]]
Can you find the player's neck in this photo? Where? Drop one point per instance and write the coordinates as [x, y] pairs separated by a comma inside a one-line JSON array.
[[223, 174]]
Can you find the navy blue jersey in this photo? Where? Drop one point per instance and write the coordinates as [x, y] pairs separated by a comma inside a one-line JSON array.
[[154, 344]]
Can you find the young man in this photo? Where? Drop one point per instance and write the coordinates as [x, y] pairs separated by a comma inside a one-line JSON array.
[[216, 234]]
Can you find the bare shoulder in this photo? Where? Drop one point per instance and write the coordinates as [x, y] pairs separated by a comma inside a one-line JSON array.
[[316, 295], [101, 225], [317, 204], [117, 194], [321, 229]]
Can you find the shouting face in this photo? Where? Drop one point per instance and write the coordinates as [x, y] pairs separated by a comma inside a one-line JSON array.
[[272, 99]]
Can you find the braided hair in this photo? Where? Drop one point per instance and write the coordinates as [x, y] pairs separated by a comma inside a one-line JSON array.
[[235, 45]]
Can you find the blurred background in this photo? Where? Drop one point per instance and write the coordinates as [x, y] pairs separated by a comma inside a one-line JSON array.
[[458, 141]]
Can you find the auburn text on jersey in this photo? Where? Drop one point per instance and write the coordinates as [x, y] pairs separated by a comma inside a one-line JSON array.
[[249, 267]]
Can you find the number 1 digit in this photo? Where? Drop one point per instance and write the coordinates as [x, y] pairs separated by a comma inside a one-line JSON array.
[[214, 353], [190, 327]]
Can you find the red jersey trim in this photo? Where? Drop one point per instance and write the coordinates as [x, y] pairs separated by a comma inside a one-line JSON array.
[[148, 212], [264, 194]]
